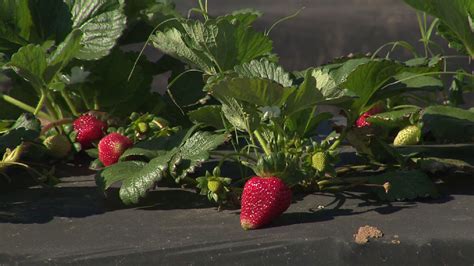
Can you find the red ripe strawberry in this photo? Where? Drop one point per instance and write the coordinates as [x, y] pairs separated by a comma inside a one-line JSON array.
[[88, 129], [263, 200], [111, 147], [362, 120]]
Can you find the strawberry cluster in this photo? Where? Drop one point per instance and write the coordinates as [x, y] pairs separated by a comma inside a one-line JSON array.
[[90, 129]]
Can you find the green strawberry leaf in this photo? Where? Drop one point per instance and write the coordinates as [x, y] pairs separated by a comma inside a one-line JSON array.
[[24, 22], [411, 80], [113, 91], [209, 115], [117, 172], [175, 44], [306, 96], [305, 122], [450, 111], [453, 41], [462, 152], [15, 25], [26, 128], [187, 89], [393, 119], [367, 78], [50, 21], [179, 154], [64, 53], [437, 165], [379, 79], [194, 152], [137, 185], [245, 16], [459, 85], [143, 15], [456, 18], [241, 115], [30, 63], [449, 124], [27, 121], [154, 147], [258, 91], [21, 91], [363, 81], [404, 185], [264, 69], [102, 23], [330, 77], [216, 45]]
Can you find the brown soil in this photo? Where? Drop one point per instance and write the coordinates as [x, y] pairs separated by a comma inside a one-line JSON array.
[[365, 233]]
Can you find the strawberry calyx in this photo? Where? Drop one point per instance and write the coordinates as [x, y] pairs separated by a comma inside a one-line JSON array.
[[284, 166], [273, 164]]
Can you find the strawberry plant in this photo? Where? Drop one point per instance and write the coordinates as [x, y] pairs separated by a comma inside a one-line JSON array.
[[62, 67], [227, 101]]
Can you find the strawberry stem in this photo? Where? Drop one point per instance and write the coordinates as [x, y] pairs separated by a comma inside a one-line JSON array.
[[262, 142], [84, 98], [24, 106], [55, 124], [40, 104], [225, 156], [69, 103], [339, 140]]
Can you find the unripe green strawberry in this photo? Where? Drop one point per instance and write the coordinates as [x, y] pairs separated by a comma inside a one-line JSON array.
[[58, 146], [410, 135], [142, 127], [214, 185], [319, 161]]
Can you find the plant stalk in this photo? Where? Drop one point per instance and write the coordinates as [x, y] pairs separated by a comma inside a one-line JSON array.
[[84, 99], [262, 142], [40, 104], [55, 124], [225, 156], [24, 106], [339, 140], [69, 103], [50, 108]]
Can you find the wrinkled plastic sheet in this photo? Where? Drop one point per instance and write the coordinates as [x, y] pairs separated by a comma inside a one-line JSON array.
[[74, 223]]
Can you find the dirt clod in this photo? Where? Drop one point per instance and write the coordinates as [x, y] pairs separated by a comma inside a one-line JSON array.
[[365, 233]]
